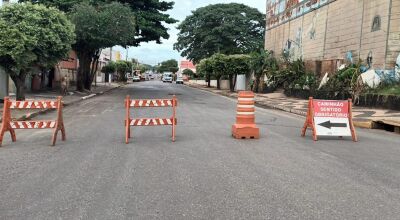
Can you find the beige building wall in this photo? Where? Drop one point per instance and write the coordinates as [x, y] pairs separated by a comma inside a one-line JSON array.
[[342, 26], [394, 34]]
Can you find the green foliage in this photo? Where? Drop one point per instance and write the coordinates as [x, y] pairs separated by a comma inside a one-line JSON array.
[[99, 27], [238, 64], [262, 62], [32, 36], [292, 75], [189, 72], [221, 28], [149, 15], [122, 67], [169, 66], [109, 68], [219, 65], [344, 80], [204, 69]]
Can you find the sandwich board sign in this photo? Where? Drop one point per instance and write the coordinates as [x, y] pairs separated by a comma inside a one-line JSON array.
[[330, 118]]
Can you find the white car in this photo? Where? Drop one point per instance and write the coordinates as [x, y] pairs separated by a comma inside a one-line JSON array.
[[135, 79], [179, 80], [167, 77]]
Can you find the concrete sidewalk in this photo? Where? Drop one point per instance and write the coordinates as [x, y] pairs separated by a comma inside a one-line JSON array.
[[363, 117], [70, 99]]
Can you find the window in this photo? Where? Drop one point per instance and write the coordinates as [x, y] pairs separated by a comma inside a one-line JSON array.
[[376, 23]]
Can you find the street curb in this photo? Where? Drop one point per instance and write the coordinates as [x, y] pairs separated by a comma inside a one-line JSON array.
[[359, 124], [44, 111]]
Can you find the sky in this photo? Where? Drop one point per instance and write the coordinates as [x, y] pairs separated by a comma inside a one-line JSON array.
[[152, 53]]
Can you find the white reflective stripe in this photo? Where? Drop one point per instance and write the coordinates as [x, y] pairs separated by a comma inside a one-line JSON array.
[[36, 104], [13, 105], [245, 106], [155, 103], [44, 125], [140, 121], [21, 105], [245, 113], [147, 122], [169, 122], [169, 103], [140, 102], [154, 121], [12, 124], [20, 124], [52, 124], [246, 99], [161, 121]]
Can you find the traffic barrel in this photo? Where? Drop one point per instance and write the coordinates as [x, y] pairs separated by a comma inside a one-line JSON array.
[[245, 126]]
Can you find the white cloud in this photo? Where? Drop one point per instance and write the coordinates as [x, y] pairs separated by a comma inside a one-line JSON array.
[[153, 53]]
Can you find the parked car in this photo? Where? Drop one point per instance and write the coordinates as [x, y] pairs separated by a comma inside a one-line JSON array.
[[135, 79], [179, 80]]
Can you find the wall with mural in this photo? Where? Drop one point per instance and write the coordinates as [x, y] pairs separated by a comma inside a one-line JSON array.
[[335, 30]]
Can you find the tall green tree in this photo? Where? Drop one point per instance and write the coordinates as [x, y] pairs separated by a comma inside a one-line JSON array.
[[98, 28], [237, 65], [169, 66], [32, 36], [221, 28], [205, 68], [150, 24], [219, 67], [260, 62]]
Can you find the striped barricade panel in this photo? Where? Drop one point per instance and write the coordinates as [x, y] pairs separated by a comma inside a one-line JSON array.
[[32, 124], [33, 104], [152, 103], [151, 121]]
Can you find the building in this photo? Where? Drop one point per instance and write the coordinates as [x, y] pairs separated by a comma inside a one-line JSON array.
[[325, 33]]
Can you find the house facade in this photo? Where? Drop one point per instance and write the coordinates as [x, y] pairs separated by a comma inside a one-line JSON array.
[[325, 33]]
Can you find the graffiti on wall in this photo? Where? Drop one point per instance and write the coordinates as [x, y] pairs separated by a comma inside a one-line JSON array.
[[281, 11]]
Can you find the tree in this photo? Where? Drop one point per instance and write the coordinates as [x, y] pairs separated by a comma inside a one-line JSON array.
[[122, 67], [169, 66], [237, 65], [149, 15], [98, 28], [189, 72], [260, 62], [221, 28], [219, 67], [32, 36], [205, 68], [110, 68], [149, 26]]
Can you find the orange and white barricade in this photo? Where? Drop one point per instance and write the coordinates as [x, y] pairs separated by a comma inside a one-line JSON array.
[[245, 126], [10, 125], [329, 118], [149, 103]]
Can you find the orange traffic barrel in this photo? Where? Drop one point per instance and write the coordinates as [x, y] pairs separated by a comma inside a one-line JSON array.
[[245, 126]]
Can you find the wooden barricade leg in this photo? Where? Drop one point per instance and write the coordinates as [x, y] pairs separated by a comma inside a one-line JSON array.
[[127, 120], [310, 121], [352, 129], [6, 119], [308, 117], [173, 117], [59, 123]]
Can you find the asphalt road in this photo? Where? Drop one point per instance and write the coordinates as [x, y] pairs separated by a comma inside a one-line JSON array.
[[205, 174]]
